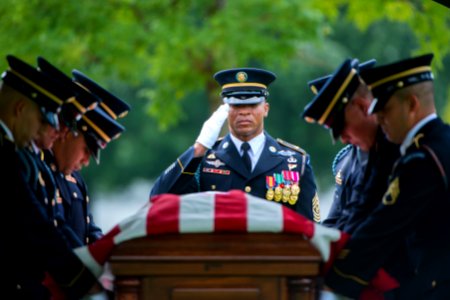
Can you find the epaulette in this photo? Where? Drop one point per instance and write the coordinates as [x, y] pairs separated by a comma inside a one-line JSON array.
[[291, 146], [339, 156]]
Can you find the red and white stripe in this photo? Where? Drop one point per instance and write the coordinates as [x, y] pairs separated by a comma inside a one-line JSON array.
[[207, 212]]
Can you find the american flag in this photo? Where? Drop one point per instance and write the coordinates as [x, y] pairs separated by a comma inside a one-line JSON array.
[[210, 212]]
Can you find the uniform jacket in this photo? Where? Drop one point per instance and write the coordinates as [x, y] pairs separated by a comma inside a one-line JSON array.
[[222, 169], [407, 233], [74, 206], [361, 181], [31, 245]]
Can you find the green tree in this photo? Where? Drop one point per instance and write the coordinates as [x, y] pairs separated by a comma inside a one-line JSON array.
[[177, 45]]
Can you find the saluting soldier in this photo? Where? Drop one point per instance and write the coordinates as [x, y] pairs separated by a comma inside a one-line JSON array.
[[407, 233], [247, 158], [361, 168], [32, 245]]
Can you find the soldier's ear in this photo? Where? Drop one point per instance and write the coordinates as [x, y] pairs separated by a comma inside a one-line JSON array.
[[20, 105], [266, 109]]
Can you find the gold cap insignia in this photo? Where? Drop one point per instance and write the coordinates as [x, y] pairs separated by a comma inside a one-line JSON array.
[[241, 77]]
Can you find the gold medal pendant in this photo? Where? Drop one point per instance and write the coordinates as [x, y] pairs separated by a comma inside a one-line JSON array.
[[270, 194], [278, 194], [286, 193], [295, 189], [293, 199]]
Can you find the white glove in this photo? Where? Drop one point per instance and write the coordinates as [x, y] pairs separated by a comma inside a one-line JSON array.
[[322, 239], [211, 128]]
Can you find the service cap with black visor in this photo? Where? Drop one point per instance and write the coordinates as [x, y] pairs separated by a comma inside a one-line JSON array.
[[38, 87], [243, 86], [110, 103], [82, 114], [333, 93], [98, 129], [80, 101], [385, 80]]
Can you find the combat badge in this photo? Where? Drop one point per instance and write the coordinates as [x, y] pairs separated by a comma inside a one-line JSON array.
[[216, 163], [392, 193]]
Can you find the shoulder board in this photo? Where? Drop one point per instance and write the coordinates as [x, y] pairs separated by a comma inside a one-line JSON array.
[[219, 140], [291, 146]]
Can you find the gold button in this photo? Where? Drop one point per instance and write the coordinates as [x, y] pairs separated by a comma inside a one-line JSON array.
[[433, 284], [87, 199], [75, 195], [53, 202], [88, 220], [18, 287], [46, 201], [213, 187], [248, 189], [55, 223], [87, 240]]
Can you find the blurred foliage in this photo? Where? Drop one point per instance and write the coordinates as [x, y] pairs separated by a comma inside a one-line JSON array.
[[160, 57]]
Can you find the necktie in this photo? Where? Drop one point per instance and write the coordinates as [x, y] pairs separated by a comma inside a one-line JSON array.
[[247, 161]]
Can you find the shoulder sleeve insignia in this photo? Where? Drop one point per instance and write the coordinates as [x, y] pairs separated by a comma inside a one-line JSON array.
[[392, 193], [291, 146]]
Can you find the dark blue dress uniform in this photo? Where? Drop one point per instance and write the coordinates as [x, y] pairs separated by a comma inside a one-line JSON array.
[[41, 181], [361, 180], [222, 169], [407, 234], [92, 112], [76, 209], [361, 177], [31, 245], [282, 173]]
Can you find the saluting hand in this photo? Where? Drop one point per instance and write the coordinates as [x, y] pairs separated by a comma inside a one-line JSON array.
[[211, 128]]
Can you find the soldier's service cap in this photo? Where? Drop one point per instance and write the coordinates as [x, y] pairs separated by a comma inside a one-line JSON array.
[[243, 86], [111, 104], [328, 106], [80, 101], [37, 86], [98, 129], [317, 84], [385, 80], [443, 2]]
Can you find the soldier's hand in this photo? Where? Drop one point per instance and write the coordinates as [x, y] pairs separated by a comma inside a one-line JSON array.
[[211, 128]]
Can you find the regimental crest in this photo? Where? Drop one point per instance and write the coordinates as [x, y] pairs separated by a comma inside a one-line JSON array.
[[241, 77], [390, 198], [292, 160], [216, 163]]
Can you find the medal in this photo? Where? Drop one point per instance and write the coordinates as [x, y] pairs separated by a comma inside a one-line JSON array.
[[293, 199], [295, 188], [279, 185], [270, 182], [286, 193]]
